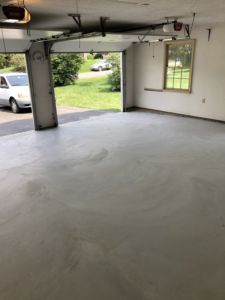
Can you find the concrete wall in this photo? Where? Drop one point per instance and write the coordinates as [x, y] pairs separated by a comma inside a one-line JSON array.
[[208, 78]]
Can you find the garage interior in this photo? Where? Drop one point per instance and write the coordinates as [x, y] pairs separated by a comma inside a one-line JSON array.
[[128, 205]]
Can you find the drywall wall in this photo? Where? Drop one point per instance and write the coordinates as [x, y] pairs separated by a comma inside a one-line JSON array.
[[208, 78]]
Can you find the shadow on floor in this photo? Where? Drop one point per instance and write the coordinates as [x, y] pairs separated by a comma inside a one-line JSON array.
[[27, 124]]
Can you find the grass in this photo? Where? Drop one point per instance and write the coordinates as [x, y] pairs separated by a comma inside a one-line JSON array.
[[7, 70], [86, 67], [89, 93], [178, 78]]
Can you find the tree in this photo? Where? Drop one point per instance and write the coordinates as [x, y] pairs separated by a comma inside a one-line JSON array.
[[182, 53], [65, 68]]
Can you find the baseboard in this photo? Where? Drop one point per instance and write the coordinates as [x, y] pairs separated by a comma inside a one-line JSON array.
[[135, 108]]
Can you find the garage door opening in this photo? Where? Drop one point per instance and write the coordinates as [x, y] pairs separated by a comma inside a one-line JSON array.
[[87, 84], [15, 103]]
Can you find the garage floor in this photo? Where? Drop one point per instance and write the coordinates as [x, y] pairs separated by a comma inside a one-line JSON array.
[[117, 207], [11, 123]]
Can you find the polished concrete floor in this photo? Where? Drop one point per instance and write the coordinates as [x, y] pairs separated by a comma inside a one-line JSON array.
[[118, 207]]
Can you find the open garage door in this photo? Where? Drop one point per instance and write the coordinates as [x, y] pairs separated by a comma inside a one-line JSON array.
[[87, 84]]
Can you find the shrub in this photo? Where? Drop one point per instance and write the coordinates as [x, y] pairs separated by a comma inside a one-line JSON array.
[[2, 61], [114, 59], [90, 56], [114, 78], [65, 68], [17, 61]]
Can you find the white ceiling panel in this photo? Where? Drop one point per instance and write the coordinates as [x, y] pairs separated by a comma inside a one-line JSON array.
[[50, 16]]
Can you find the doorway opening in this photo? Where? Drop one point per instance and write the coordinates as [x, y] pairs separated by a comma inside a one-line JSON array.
[[86, 84]]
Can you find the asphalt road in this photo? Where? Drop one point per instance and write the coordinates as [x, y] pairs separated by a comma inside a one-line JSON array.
[[11, 123]]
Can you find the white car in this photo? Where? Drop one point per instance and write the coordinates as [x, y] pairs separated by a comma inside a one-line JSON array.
[[14, 91], [101, 65]]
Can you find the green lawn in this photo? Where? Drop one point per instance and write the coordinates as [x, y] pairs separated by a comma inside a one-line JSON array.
[[86, 67], [6, 70], [89, 93], [178, 78]]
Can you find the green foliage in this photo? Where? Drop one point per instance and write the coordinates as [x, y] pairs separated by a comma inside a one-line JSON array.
[[115, 77], [86, 66], [17, 61], [181, 53], [90, 56], [2, 61], [114, 59], [11, 60], [65, 68]]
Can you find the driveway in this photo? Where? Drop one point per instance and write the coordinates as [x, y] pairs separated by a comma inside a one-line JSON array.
[[14, 123], [89, 75]]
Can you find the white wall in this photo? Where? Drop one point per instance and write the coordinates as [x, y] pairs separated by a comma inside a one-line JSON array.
[[41, 87], [130, 77], [208, 78]]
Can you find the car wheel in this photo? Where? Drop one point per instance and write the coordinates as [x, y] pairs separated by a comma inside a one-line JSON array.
[[100, 69], [14, 106]]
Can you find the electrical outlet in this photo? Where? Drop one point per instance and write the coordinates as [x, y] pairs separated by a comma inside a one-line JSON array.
[[203, 100]]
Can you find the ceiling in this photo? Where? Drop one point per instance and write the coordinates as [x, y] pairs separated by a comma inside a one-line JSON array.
[[52, 15]]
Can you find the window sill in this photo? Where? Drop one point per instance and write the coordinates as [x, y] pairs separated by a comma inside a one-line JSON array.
[[177, 91], [168, 90]]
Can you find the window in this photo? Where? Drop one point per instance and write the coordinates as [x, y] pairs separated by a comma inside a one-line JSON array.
[[18, 80], [3, 82], [179, 62]]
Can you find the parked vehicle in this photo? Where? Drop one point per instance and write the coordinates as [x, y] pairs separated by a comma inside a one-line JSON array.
[[14, 91], [101, 65]]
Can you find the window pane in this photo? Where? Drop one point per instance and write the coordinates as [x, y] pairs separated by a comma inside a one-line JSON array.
[[186, 74], [169, 83], [179, 55], [170, 72], [177, 73], [185, 84], [179, 62], [177, 83]]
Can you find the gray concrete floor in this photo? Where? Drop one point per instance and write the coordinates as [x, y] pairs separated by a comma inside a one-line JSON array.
[[118, 207], [11, 123]]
